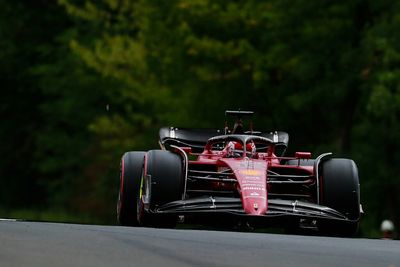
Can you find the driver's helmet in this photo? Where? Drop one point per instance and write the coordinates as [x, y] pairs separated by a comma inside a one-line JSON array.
[[235, 149]]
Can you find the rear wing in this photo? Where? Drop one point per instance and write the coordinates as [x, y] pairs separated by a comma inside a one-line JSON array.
[[197, 138]]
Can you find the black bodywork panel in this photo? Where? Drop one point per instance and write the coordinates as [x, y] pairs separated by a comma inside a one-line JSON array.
[[197, 138]]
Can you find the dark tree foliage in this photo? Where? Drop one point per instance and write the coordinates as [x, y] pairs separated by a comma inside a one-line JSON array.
[[21, 42]]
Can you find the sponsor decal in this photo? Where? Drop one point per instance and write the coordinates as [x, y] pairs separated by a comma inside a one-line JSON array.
[[252, 184], [253, 188], [251, 197], [252, 178], [250, 172]]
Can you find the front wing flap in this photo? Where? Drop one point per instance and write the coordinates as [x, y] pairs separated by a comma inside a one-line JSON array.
[[276, 208]]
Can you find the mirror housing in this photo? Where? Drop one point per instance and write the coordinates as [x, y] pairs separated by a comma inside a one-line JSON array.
[[303, 155]]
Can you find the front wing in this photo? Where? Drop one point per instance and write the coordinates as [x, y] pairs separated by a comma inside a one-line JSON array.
[[233, 206]]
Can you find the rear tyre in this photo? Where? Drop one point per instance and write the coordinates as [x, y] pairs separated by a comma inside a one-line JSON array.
[[164, 171], [340, 190], [130, 173]]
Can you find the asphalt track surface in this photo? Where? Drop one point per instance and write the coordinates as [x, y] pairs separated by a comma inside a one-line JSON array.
[[50, 244]]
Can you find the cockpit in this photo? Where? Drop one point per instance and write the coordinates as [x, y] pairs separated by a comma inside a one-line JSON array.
[[234, 149]]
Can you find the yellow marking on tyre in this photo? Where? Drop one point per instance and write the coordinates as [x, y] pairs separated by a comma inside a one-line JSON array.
[[141, 188]]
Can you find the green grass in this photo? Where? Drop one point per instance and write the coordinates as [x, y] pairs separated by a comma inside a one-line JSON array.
[[50, 216]]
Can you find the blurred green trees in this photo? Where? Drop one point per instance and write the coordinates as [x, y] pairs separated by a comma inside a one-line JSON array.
[[87, 80]]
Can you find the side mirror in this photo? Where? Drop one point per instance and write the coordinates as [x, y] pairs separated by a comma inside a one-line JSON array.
[[303, 155]]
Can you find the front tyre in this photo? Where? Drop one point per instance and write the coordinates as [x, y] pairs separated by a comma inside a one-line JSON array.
[[130, 175], [340, 190], [162, 183]]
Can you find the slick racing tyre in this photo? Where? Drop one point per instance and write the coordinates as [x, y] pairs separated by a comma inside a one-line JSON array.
[[340, 190], [130, 175], [164, 171]]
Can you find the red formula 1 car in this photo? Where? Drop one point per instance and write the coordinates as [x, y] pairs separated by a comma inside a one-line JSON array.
[[239, 177]]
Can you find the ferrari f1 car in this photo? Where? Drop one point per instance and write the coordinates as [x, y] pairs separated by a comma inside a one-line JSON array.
[[240, 176]]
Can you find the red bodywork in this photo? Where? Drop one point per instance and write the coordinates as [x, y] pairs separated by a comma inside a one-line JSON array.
[[252, 186], [249, 174]]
